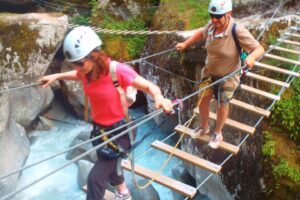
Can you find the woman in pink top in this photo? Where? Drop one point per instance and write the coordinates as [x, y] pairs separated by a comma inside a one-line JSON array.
[[82, 48]]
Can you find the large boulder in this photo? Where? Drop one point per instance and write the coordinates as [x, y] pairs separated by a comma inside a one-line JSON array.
[[14, 144], [28, 43], [29, 103]]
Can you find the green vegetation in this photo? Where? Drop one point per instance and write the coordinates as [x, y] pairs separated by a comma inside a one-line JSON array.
[[198, 10], [124, 47], [192, 13], [19, 49], [286, 113], [135, 43], [268, 148], [283, 169]]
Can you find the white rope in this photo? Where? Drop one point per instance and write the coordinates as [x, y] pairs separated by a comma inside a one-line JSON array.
[[127, 32]]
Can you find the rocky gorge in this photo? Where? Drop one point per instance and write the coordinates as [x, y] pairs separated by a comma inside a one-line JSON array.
[[30, 47]]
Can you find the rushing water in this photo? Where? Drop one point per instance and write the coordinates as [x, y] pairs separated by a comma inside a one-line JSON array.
[[62, 185]]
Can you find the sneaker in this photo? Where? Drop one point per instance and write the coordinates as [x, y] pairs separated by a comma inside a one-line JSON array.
[[198, 132], [215, 140], [120, 196]]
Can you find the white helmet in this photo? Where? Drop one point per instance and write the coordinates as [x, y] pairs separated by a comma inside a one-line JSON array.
[[220, 7], [79, 43]]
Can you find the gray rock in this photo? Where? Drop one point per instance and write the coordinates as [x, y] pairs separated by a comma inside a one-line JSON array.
[[82, 137], [14, 144], [29, 103], [84, 168]]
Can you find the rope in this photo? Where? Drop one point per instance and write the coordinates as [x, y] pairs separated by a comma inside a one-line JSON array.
[[79, 157], [78, 145], [169, 72], [127, 32], [269, 21], [153, 55], [155, 113], [162, 167], [129, 62], [18, 88], [111, 138], [289, 80]]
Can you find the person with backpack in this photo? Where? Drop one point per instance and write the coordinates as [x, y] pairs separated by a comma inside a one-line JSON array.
[[95, 69], [223, 58]]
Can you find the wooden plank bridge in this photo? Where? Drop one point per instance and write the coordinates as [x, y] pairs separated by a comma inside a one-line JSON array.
[[190, 191]]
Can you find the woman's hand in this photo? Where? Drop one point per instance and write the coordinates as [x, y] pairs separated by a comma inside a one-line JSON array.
[[47, 80], [161, 102], [180, 46]]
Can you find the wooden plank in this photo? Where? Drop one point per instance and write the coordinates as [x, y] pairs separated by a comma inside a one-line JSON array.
[[276, 69], [268, 80], [252, 108], [295, 62], [260, 92], [199, 162], [205, 138], [293, 35], [173, 184], [295, 28], [107, 196], [289, 42], [232, 123], [235, 124], [285, 49]]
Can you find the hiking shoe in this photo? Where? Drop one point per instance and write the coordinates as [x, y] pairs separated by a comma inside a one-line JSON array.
[[215, 140], [198, 132], [120, 196]]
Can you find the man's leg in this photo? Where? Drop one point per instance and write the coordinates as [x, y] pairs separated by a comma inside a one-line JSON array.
[[222, 114], [225, 93], [204, 111]]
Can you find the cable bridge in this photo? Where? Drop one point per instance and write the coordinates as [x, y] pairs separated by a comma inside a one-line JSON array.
[[290, 37]]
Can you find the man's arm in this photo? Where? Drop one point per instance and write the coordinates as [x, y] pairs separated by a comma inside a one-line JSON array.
[[191, 40], [255, 54]]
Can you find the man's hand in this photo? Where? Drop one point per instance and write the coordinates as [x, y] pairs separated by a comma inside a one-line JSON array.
[[249, 61]]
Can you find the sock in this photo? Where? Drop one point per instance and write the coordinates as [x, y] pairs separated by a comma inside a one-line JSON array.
[[125, 192]]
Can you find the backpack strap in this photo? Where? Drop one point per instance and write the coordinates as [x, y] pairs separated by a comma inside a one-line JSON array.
[[113, 75], [236, 41]]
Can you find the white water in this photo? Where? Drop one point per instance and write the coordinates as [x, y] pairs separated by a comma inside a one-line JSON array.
[[63, 184]]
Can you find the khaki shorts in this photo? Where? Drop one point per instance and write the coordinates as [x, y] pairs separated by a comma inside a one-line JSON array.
[[223, 91]]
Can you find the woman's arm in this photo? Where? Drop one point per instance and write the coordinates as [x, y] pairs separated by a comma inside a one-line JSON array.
[[47, 80], [150, 88]]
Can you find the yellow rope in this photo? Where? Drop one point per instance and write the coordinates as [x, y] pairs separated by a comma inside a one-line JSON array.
[[203, 84], [165, 163]]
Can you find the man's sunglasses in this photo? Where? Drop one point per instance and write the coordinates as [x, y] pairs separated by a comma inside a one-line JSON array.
[[215, 16]]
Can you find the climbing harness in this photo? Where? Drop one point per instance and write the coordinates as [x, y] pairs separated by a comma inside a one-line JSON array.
[[112, 150]]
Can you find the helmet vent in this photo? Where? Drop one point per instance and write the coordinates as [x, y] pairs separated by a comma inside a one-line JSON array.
[[68, 55], [214, 9]]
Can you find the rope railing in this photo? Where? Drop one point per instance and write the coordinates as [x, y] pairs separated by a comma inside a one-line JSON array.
[[158, 112], [11, 194], [288, 80], [169, 72], [78, 145], [129, 62]]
